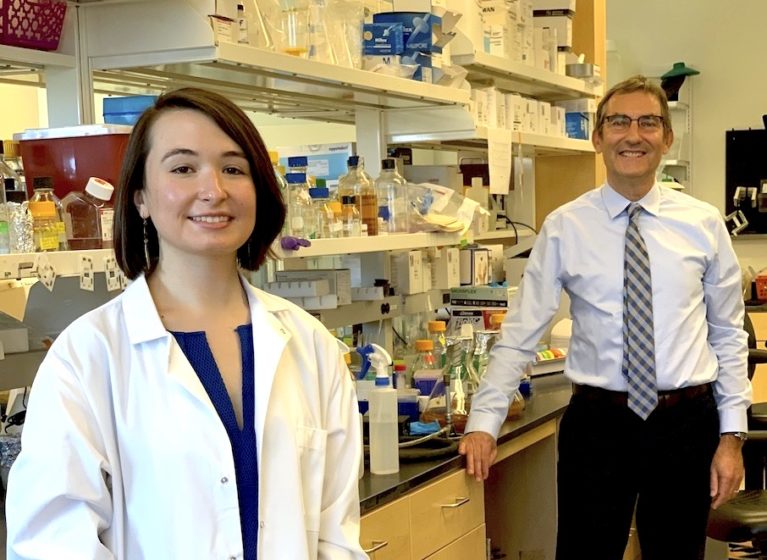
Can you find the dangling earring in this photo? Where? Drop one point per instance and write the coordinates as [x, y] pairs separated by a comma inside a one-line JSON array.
[[146, 246]]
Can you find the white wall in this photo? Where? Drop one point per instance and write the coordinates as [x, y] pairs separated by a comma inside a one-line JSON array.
[[725, 42], [21, 107]]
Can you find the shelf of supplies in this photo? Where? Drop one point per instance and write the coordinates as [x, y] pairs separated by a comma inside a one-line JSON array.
[[271, 82], [64, 263], [520, 78], [476, 138], [503, 234], [387, 308], [350, 245]]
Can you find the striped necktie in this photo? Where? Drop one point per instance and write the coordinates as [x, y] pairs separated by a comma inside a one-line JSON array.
[[638, 338]]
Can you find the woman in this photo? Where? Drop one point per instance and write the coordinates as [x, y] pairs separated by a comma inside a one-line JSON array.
[[193, 416]]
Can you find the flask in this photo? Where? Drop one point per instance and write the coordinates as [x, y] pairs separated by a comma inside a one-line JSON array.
[[350, 217], [294, 20], [43, 192], [447, 401], [300, 207], [392, 198], [327, 224], [282, 184], [382, 412], [88, 216]]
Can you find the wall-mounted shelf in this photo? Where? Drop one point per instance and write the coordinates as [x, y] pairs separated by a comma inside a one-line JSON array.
[[65, 263], [675, 163], [353, 245], [518, 77], [32, 59]]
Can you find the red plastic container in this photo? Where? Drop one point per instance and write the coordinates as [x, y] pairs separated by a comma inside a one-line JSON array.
[[34, 24], [71, 155]]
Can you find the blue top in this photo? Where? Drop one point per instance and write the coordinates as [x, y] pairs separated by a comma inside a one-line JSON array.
[[197, 351]]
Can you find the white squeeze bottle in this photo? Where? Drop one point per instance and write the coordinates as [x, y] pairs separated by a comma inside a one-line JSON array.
[[382, 412]]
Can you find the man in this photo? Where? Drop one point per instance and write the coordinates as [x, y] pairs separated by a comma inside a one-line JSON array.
[[657, 356]]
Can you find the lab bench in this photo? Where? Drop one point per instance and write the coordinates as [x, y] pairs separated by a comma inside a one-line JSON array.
[[433, 510]]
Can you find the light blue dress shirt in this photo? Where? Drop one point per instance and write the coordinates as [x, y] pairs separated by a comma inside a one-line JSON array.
[[697, 302]]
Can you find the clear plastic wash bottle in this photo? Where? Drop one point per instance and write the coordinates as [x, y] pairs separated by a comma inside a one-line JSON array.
[[437, 330], [392, 198], [382, 411]]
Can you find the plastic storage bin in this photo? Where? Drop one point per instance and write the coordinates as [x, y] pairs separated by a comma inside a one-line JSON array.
[[35, 24], [72, 155], [126, 110]]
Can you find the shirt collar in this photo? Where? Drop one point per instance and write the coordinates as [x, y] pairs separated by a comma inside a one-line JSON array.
[[615, 203]]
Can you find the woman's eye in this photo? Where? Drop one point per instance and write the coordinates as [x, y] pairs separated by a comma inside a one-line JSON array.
[[232, 170], [181, 169]]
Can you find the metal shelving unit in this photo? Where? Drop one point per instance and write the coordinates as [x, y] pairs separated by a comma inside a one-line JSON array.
[[355, 245]]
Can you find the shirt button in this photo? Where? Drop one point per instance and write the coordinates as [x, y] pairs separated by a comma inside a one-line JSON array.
[[224, 480], [261, 524], [232, 558]]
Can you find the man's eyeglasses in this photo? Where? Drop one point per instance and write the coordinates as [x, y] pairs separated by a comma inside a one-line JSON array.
[[621, 123]]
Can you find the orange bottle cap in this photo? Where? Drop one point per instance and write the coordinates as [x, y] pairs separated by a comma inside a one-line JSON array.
[[437, 326], [424, 345]]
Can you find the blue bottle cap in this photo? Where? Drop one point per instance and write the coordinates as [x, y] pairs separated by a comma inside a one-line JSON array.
[[298, 161], [294, 178], [319, 192]]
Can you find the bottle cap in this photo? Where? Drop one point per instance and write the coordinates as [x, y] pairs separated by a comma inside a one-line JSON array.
[[424, 345], [295, 178], [320, 182], [347, 199], [42, 183], [274, 157], [400, 367], [42, 209], [388, 163], [348, 358], [497, 318], [437, 326], [99, 188], [11, 148], [353, 161], [298, 161], [319, 192]]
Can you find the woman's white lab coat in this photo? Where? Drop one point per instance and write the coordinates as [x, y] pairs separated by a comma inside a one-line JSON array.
[[124, 456]]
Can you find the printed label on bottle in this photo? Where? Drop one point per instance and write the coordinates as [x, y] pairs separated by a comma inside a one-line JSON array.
[[106, 216], [61, 232], [49, 240]]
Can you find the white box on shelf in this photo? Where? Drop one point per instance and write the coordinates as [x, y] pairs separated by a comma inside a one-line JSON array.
[[479, 107], [339, 280], [544, 117], [558, 121], [329, 301], [530, 117], [475, 266], [496, 258], [407, 270], [368, 293], [446, 175], [515, 111], [447, 268], [563, 25], [554, 5], [307, 288]]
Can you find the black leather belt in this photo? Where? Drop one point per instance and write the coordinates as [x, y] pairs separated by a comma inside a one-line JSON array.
[[666, 399]]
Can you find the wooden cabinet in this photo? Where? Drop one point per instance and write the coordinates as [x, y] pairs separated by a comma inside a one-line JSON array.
[[430, 521], [471, 546], [444, 510], [385, 532]]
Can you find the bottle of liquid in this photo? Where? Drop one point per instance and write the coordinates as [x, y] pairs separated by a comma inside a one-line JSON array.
[[425, 368], [437, 330], [88, 216], [392, 198], [12, 159], [5, 239], [294, 20], [47, 221], [327, 224], [350, 217], [300, 207], [279, 174], [382, 412]]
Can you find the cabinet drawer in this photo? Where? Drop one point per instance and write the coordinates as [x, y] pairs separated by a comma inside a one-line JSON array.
[[444, 510], [472, 546], [387, 531]]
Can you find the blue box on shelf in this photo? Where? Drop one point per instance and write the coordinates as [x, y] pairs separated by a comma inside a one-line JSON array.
[[126, 110]]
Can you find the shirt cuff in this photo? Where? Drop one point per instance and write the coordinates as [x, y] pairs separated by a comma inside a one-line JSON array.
[[733, 420], [484, 422]]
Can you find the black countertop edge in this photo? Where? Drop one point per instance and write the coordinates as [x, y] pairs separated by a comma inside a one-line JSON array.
[[551, 394]]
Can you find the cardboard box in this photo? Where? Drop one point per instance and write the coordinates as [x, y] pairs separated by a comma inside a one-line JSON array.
[[563, 24], [446, 268], [382, 39], [407, 272], [339, 281], [446, 175], [308, 288], [475, 266]]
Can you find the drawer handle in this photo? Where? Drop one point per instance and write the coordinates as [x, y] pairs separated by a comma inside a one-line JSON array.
[[458, 503], [377, 545]]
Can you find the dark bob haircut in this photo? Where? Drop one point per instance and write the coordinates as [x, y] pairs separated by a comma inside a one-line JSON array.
[[128, 224]]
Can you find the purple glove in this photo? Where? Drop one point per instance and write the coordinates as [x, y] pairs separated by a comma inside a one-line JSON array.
[[290, 243]]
